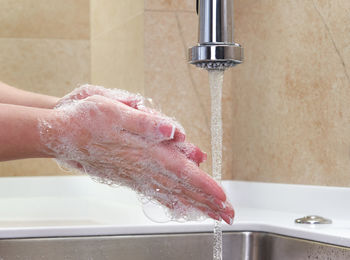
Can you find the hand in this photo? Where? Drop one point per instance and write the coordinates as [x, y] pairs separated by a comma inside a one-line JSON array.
[[119, 140]]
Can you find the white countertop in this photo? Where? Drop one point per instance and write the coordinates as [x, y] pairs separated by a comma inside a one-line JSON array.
[[77, 206]]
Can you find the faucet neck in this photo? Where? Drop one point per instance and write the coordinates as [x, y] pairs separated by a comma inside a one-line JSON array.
[[215, 22]]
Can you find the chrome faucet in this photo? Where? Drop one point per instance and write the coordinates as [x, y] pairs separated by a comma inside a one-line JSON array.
[[216, 48]]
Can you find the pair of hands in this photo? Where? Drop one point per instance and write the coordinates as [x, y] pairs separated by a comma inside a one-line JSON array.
[[114, 137]]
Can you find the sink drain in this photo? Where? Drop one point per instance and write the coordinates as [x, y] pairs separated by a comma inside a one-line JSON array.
[[313, 219]]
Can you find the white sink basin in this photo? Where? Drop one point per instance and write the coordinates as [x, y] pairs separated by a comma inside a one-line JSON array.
[[76, 206]]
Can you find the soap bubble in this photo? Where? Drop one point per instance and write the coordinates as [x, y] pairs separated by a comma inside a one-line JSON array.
[[155, 212]]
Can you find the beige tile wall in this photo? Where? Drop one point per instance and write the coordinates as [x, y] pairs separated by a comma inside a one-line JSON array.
[[291, 96], [286, 113], [117, 44], [44, 47], [48, 19]]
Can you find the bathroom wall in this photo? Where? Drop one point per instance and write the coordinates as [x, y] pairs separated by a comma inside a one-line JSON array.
[[45, 48], [286, 112], [117, 43], [291, 96]]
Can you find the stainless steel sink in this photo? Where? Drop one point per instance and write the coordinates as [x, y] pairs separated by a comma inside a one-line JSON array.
[[237, 246]]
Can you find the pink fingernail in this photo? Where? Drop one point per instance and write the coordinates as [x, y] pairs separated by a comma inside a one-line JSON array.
[[198, 156], [205, 156], [167, 130], [223, 205], [179, 137], [226, 218], [220, 203]]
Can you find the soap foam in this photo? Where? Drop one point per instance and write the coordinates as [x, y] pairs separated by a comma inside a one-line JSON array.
[[83, 139]]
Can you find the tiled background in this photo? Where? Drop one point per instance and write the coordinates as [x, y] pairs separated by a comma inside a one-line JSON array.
[[117, 41], [286, 113], [291, 96], [44, 47]]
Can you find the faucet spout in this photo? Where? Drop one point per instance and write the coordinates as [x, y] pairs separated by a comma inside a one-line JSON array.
[[216, 48]]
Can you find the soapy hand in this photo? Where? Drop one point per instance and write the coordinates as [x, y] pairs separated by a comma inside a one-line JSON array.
[[115, 138]]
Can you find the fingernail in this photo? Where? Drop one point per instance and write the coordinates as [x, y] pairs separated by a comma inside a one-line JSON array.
[[179, 137], [223, 205], [167, 130], [201, 156], [220, 204], [226, 218], [205, 157]]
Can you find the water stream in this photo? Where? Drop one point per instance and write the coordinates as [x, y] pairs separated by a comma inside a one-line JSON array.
[[216, 78]]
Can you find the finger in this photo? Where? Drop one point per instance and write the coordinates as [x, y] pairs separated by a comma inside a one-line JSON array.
[[179, 136], [176, 162], [228, 218], [74, 164], [87, 90], [192, 152], [143, 124], [170, 182], [186, 203], [203, 209], [169, 188], [150, 123], [164, 197], [80, 93], [131, 100], [224, 209], [228, 213], [177, 187], [134, 121], [206, 211]]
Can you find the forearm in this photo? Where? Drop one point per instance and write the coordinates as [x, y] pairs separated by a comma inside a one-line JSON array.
[[11, 95], [19, 133]]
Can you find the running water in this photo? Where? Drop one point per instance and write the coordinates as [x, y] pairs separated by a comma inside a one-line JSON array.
[[216, 78]]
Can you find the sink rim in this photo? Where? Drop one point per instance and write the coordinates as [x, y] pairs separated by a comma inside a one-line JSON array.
[[253, 212]]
